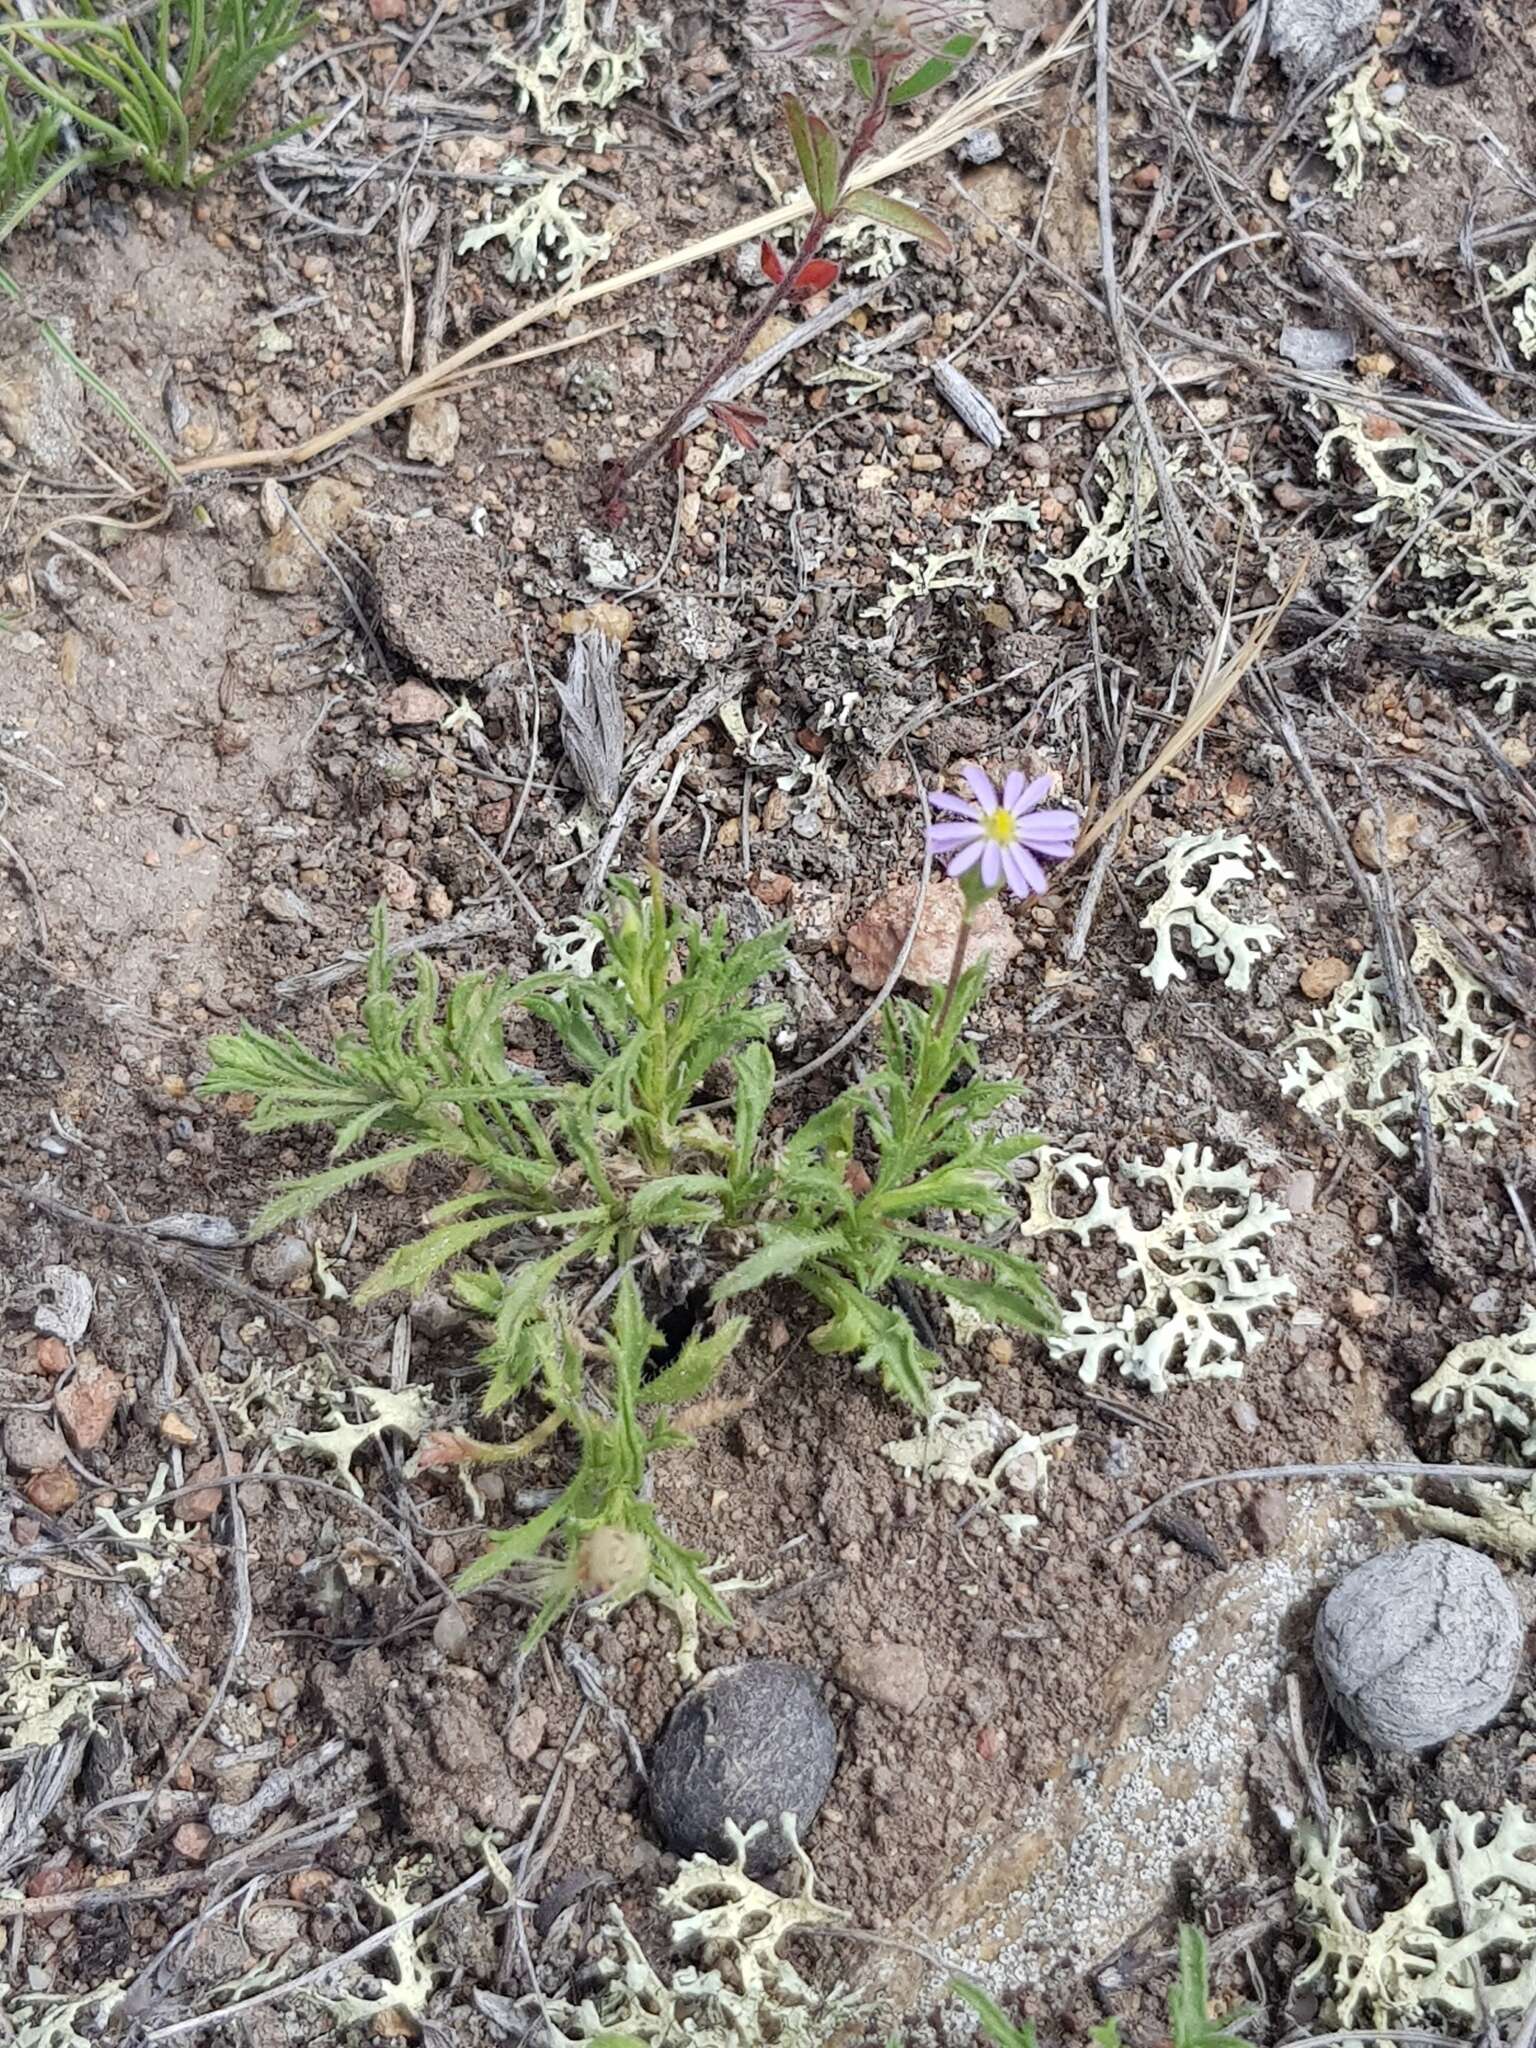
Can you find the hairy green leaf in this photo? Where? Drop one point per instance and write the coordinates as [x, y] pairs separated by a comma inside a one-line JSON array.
[[895, 213], [695, 1366], [784, 1252], [1020, 1308], [678, 1198], [302, 1196], [413, 1265], [934, 72], [998, 2029], [512, 1546], [885, 1341], [754, 1092]]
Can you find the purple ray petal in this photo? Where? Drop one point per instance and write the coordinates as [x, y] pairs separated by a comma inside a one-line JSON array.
[[946, 838], [1053, 833], [1013, 789], [981, 788], [955, 805], [991, 864], [1032, 880], [967, 857], [1040, 787]]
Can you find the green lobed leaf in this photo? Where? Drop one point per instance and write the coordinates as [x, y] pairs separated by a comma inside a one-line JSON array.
[[512, 1546], [678, 1198], [754, 1092], [1020, 1308], [695, 1366], [884, 1339], [413, 1265], [302, 1196], [785, 1252]]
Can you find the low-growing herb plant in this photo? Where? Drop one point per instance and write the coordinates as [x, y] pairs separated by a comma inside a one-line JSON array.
[[1190, 2023], [575, 1187], [895, 50]]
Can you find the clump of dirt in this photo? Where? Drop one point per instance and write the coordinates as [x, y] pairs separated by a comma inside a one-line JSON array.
[[438, 599]]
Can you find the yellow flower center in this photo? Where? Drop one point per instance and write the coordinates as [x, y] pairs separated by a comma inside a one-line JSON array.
[[999, 827]]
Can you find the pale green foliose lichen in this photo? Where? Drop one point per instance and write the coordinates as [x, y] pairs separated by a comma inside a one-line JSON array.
[[1465, 1933], [1199, 1275]]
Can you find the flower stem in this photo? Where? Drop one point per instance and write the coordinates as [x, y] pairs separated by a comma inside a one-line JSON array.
[[621, 475], [956, 966]]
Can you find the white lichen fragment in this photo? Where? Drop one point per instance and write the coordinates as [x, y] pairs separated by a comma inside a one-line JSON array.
[[1519, 285], [1464, 1935], [1478, 551], [1401, 468], [147, 1533], [571, 80], [41, 1693], [1347, 1067], [398, 2006], [1215, 934], [570, 947], [48, 2019], [867, 250], [1200, 1273], [547, 239], [980, 1451], [964, 568], [1362, 131], [404, 1412], [1127, 517], [741, 1991], [1501, 1519], [1492, 1376]]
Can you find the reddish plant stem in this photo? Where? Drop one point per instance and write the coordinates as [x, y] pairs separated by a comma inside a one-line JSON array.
[[735, 349]]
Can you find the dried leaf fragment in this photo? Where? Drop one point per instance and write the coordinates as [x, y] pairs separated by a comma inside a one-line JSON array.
[[592, 716], [975, 411]]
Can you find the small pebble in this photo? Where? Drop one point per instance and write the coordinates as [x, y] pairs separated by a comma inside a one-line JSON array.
[[31, 1443], [280, 1262], [981, 146]]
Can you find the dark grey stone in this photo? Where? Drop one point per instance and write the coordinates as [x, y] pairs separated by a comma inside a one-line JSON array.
[[1419, 1644], [750, 1743]]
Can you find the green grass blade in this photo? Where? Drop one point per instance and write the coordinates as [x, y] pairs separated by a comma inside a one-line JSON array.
[[97, 385]]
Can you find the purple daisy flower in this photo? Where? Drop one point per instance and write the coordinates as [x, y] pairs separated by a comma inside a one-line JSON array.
[[1005, 835]]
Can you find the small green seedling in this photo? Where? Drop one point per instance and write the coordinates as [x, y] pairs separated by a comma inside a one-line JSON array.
[[1190, 2024]]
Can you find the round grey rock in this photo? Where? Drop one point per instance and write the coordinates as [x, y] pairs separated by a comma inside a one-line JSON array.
[[1419, 1645], [750, 1743]]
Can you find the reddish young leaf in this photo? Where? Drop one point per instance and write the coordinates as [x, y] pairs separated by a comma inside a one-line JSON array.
[[676, 450], [819, 275], [773, 268], [737, 420]]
